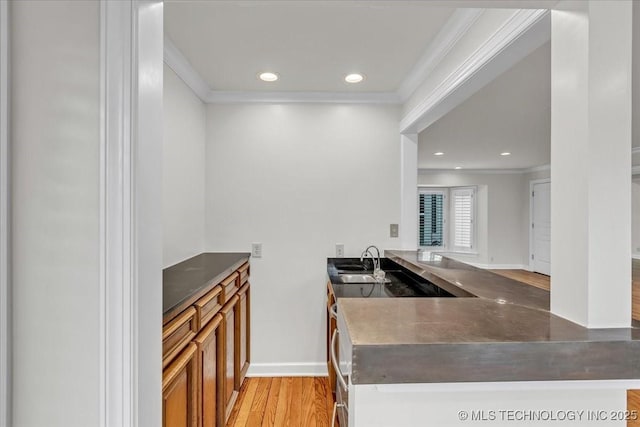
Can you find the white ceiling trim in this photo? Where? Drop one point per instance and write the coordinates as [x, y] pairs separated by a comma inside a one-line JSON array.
[[183, 68], [512, 171], [175, 60], [480, 68], [456, 27], [221, 97]]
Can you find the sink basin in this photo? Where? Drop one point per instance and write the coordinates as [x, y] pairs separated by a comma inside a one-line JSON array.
[[351, 267], [359, 278]]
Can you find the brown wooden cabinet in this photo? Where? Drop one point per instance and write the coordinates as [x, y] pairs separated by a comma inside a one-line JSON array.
[[229, 391], [210, 347], [179, 393], [243, 335], [206, 354]]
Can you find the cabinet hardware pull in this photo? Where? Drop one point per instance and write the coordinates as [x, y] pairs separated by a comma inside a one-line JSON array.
[[334, 360]]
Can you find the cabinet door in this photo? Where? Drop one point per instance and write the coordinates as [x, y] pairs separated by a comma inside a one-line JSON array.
[[209, 343], [179, 392], [242, 335], [228, 377]]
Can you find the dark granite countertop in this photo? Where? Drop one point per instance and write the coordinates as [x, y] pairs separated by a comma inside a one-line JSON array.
[[458, 277], [185, 282], [503, 335]]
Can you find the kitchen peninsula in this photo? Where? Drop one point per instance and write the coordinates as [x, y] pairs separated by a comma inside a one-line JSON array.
[[498, 349]]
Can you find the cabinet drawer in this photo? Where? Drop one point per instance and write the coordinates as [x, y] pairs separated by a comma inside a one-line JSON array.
[[243, 271], [229, 287], [177, 334], [208, 306]]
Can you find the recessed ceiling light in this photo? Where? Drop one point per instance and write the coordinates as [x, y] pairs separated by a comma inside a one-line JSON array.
[[506, 153], [438, 153], [268, 77], [458, 167], [354, 78]]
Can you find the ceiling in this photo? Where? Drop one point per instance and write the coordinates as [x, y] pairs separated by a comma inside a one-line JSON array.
[[510, 114], [311, 45]]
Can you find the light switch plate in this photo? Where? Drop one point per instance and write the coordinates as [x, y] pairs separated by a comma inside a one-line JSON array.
[[393, 230], [256, 250], [339, 250]]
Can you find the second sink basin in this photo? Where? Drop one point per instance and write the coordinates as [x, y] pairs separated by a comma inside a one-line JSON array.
[[359, 278]]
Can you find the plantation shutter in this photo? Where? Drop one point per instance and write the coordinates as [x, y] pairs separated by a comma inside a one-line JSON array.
[[462, 206], [431, 219]]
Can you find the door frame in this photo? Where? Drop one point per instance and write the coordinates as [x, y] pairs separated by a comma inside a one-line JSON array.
[[5, 238], [131, 88], [532, 183]]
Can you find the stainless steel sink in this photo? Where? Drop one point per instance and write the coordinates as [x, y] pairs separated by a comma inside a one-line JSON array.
[[359, 278]]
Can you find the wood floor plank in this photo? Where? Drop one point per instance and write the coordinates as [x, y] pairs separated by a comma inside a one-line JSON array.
[[269, 418], [530, 278], [295, 399], [256, 412], [320, 401], [308, 416], [329, 399], [244, 406], [282, 411], [633, 404]]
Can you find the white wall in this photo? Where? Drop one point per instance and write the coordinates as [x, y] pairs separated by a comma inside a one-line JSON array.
[[183, 171], [299, 179], [501, 212], [55, 119]]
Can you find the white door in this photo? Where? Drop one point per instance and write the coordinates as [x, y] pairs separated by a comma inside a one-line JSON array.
[[541, 228]]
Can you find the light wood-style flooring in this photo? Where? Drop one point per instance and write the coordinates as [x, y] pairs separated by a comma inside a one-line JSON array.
[[283, 401], [543, 282], [530, 278]]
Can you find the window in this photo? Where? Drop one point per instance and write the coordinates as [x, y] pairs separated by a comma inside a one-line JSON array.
[[432, 222], [447, 218]]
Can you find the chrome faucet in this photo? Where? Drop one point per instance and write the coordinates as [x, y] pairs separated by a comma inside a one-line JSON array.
[[366, 253], [378, 274], [376, 261]]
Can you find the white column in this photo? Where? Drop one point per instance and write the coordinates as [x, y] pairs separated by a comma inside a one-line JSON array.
[[591, 162], [408, 191]]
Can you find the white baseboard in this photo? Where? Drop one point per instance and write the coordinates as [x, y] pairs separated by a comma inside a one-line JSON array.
[[635, 255], [287, 370]]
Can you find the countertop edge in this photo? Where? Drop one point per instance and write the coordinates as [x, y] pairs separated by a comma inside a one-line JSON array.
[[190, 299]]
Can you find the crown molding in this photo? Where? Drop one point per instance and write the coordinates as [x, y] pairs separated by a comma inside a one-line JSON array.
[[538, 168], [512, 171], [174, 58], [223, 97], [456, 27], [522, 33]]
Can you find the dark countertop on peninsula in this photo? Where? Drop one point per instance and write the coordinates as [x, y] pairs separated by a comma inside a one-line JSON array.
[[458, 277], [502, 335], [185, 282]]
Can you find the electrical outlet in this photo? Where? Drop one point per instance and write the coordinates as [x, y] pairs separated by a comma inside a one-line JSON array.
[[256, 250], [339, 250], [393, 230]]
